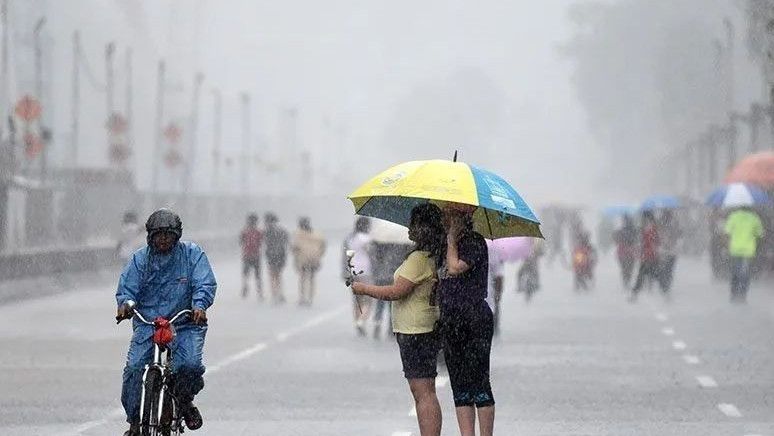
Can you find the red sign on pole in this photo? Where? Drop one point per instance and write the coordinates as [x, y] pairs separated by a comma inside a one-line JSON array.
[[173, 158], [117, 124], [28, 108], [33, 145], [173, 133]]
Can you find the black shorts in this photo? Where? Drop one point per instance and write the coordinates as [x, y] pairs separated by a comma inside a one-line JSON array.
[[419, 354]]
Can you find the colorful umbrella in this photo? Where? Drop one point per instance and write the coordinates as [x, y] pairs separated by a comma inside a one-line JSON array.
[[737, 195], [757, 169], [661, 202], [511, 249], [500, 210]]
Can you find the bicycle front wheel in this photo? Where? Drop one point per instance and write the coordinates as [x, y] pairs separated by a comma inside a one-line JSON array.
[[150, 412]]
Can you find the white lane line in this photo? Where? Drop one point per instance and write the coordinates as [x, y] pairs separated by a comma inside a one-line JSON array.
[[441, 381], [679, 345], [668, 331], [244, 354], [662, 317], [729, 410], [706, 381], [690, 359]]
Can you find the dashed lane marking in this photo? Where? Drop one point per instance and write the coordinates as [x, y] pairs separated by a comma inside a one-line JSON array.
[[691, 359], [729, 410], [668, 331], [706, 381], [679, 345], [230, 360]]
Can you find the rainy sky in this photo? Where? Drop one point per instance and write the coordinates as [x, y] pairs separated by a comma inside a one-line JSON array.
[[372, 83]]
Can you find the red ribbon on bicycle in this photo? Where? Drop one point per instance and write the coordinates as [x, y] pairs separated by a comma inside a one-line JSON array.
[[164, 333]]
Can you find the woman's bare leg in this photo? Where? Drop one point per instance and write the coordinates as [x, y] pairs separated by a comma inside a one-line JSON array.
[[486, 416], [428, 408]]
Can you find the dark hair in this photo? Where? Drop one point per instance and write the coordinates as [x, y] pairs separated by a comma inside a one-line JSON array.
[[433, 239], [252, 219], [362, 225], [648, 215], [270, 218], [305, 224]]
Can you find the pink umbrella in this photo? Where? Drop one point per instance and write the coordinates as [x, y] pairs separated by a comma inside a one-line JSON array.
[[510, 249]]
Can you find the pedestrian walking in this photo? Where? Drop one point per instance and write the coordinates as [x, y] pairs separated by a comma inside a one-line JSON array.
[[415, 312], [361, 243], [308, 248], [744, 229], [670, 236], [251, 240], [626, 249], [467, 322], [648, 253], [276, 254], [584, 259]]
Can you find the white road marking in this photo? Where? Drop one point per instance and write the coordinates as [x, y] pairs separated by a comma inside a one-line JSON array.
[[244, 354], [441, 381], [679, 345], [413, 411], [661, 317], [691, 359], [730, 410], [706, 381], [668, 331]]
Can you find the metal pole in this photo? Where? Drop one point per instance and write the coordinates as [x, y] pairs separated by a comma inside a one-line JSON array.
[[160, 87], [110, 50], [246, 160], [129, 103], [216, 138], [39, 94], [192, 144], [75, 106]]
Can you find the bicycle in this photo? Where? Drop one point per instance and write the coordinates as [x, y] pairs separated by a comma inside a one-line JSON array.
[[159, 408]]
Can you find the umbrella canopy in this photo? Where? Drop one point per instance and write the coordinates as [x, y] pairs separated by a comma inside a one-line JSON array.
[[757, 169], [737, 195], [392, 194], [620, 210], [661, 202], [511, 249]]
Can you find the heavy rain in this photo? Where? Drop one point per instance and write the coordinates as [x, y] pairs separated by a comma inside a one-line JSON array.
[[244, 217]]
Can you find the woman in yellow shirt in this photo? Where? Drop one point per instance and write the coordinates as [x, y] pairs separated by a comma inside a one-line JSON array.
[[415, 312]]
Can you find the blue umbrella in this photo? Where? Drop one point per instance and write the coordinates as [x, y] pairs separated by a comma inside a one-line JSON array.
[[620, 210], [661, 202], [738, 194]]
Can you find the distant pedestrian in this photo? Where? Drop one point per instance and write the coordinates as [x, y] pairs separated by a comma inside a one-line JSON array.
[[132, 237], [744, 229], [467, 322], [251, 240], [361, 243], [415, 313], [626, 249], [584, 259], [670, 235], [276, 254], [308, 248], [495, 285], [648, 253]]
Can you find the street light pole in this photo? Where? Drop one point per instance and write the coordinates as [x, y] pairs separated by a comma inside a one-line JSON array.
[[39, 94], [160, 87], [75, 107], [246, 161], [129, 100], [110, 50], [192, 144]]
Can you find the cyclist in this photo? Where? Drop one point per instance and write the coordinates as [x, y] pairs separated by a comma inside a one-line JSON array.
[[161, 279]]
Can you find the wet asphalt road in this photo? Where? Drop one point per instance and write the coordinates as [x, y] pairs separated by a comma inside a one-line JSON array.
[[566, 364]]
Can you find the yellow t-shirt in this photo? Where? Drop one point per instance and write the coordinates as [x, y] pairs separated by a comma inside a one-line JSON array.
[[413, 313]]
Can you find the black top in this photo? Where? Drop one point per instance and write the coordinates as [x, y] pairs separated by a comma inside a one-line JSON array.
[[470, 288]]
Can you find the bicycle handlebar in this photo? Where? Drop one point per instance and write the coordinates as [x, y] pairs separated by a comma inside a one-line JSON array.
[[145, 321]]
